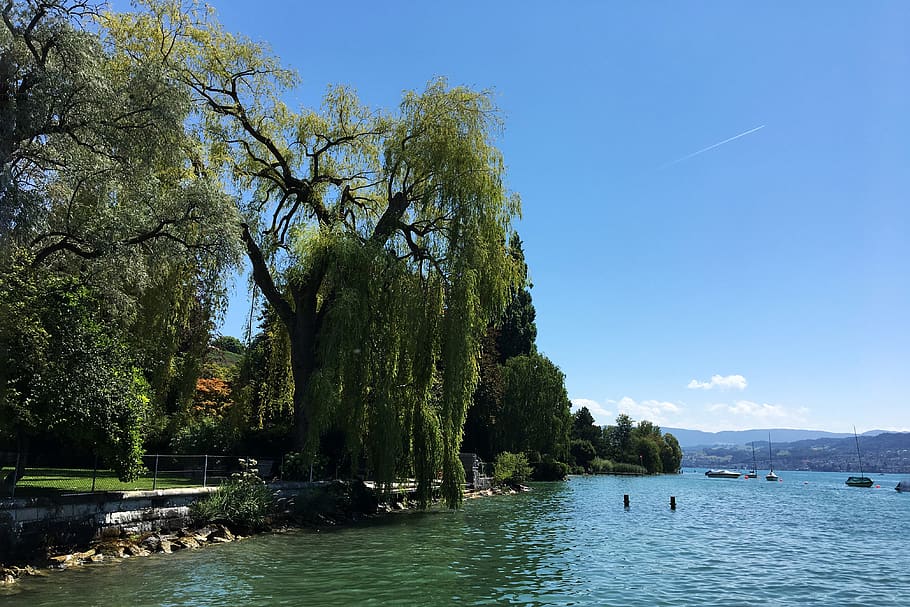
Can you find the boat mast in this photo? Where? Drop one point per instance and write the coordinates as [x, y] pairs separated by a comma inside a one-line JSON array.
[[770, 459], [858, 454]]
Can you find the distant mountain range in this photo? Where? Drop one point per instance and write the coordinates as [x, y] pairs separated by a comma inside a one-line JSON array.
[[881, 451], [697, 438]]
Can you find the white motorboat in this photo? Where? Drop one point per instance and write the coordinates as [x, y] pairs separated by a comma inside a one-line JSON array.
[[722, 474]]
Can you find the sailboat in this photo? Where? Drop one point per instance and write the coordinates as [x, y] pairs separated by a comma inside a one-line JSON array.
[[752, 473], [858, 481], [770, 476]]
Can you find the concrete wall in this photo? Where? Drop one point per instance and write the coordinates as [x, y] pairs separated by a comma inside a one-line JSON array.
[[30, 526]]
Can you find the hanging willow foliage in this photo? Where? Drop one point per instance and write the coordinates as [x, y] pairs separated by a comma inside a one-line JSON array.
[[378, 240], [398, 350]]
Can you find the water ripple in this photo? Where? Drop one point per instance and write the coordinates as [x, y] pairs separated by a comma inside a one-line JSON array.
[[728, 543]]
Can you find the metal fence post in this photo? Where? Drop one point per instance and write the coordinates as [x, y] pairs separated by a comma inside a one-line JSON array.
[[95, 472], [155, 478], [15, 477], [205, 472]]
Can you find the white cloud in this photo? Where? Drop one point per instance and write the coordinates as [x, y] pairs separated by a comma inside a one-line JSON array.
[[602, 417], [656, 411], [747, 412], [723, 382]]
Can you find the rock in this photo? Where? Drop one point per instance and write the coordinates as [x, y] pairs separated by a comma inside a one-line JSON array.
[[188, 542], [165, 546], [84, 556], [221, 540], [204, 534], [152, 543], [134, 550], [223, 532], [97, 558]]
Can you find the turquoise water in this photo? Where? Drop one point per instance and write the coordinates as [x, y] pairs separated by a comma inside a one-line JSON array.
[[808, 540]]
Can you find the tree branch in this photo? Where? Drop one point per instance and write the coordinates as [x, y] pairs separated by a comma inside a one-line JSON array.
[[263, 278]]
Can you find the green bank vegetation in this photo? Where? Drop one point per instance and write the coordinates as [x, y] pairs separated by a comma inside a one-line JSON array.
[[624, 448], [146, 155]]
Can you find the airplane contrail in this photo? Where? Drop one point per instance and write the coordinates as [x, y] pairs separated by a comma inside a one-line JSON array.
[[711, 147]]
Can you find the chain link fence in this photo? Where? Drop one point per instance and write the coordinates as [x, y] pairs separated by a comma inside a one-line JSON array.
[[161, 471]]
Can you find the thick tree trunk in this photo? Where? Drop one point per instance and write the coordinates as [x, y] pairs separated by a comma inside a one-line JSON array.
[[303, 334]]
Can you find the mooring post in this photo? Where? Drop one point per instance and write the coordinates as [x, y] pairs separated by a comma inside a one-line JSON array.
[[155, 478], [672, 502], [625, 500]]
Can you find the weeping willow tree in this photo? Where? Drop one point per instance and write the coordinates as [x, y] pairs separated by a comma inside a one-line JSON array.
[[378, 239]]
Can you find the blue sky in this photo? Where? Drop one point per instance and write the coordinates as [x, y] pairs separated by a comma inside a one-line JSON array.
[[777, 261]]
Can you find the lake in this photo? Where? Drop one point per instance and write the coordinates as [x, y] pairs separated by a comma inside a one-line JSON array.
[[806, 540]]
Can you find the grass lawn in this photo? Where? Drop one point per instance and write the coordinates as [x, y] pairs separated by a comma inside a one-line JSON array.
[[61, 481]]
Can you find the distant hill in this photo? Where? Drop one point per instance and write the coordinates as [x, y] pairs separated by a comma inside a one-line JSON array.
[[881, 452], [697, 438]]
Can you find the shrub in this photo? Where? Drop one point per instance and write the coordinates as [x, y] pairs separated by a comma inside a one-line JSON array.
[[583, 452], [511, 468], [622, 468], [600, 465], [205, 435], [295, 467], [243, 501], [550, 470]]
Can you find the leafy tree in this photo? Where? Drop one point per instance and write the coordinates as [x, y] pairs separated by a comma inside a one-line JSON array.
[[64, 371], [511, 469], [229, 344], [485, 412], [648, 452], [583, 452], [670, 454], [583, 427], [619, 439], [517, 330], [99, 181], [379, 241], [535, 407]]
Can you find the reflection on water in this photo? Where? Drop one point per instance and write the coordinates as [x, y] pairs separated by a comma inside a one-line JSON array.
[[806, 540]]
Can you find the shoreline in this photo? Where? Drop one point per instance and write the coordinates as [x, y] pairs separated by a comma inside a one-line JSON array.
[[210, 534]]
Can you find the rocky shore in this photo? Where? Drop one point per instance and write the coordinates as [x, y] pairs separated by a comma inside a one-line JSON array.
[[147, 544], [126, 547]]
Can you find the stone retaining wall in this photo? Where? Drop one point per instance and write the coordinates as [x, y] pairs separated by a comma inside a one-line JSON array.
[[31, 527]]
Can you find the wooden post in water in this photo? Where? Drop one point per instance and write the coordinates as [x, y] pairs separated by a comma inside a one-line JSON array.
[[625, 500], [672, 502]]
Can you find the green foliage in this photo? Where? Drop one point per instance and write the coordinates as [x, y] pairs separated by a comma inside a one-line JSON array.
[[396, 227], [243, 501], [228, 343], [600, 465], [517, 330], [583, 452], [642, 445], [625, 468], [583, 427], [535, 407], [511, 469], [549, 469], [485, 411], [64, 371], [265, 385], [205, 436], [670, 454], [295, 467]]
